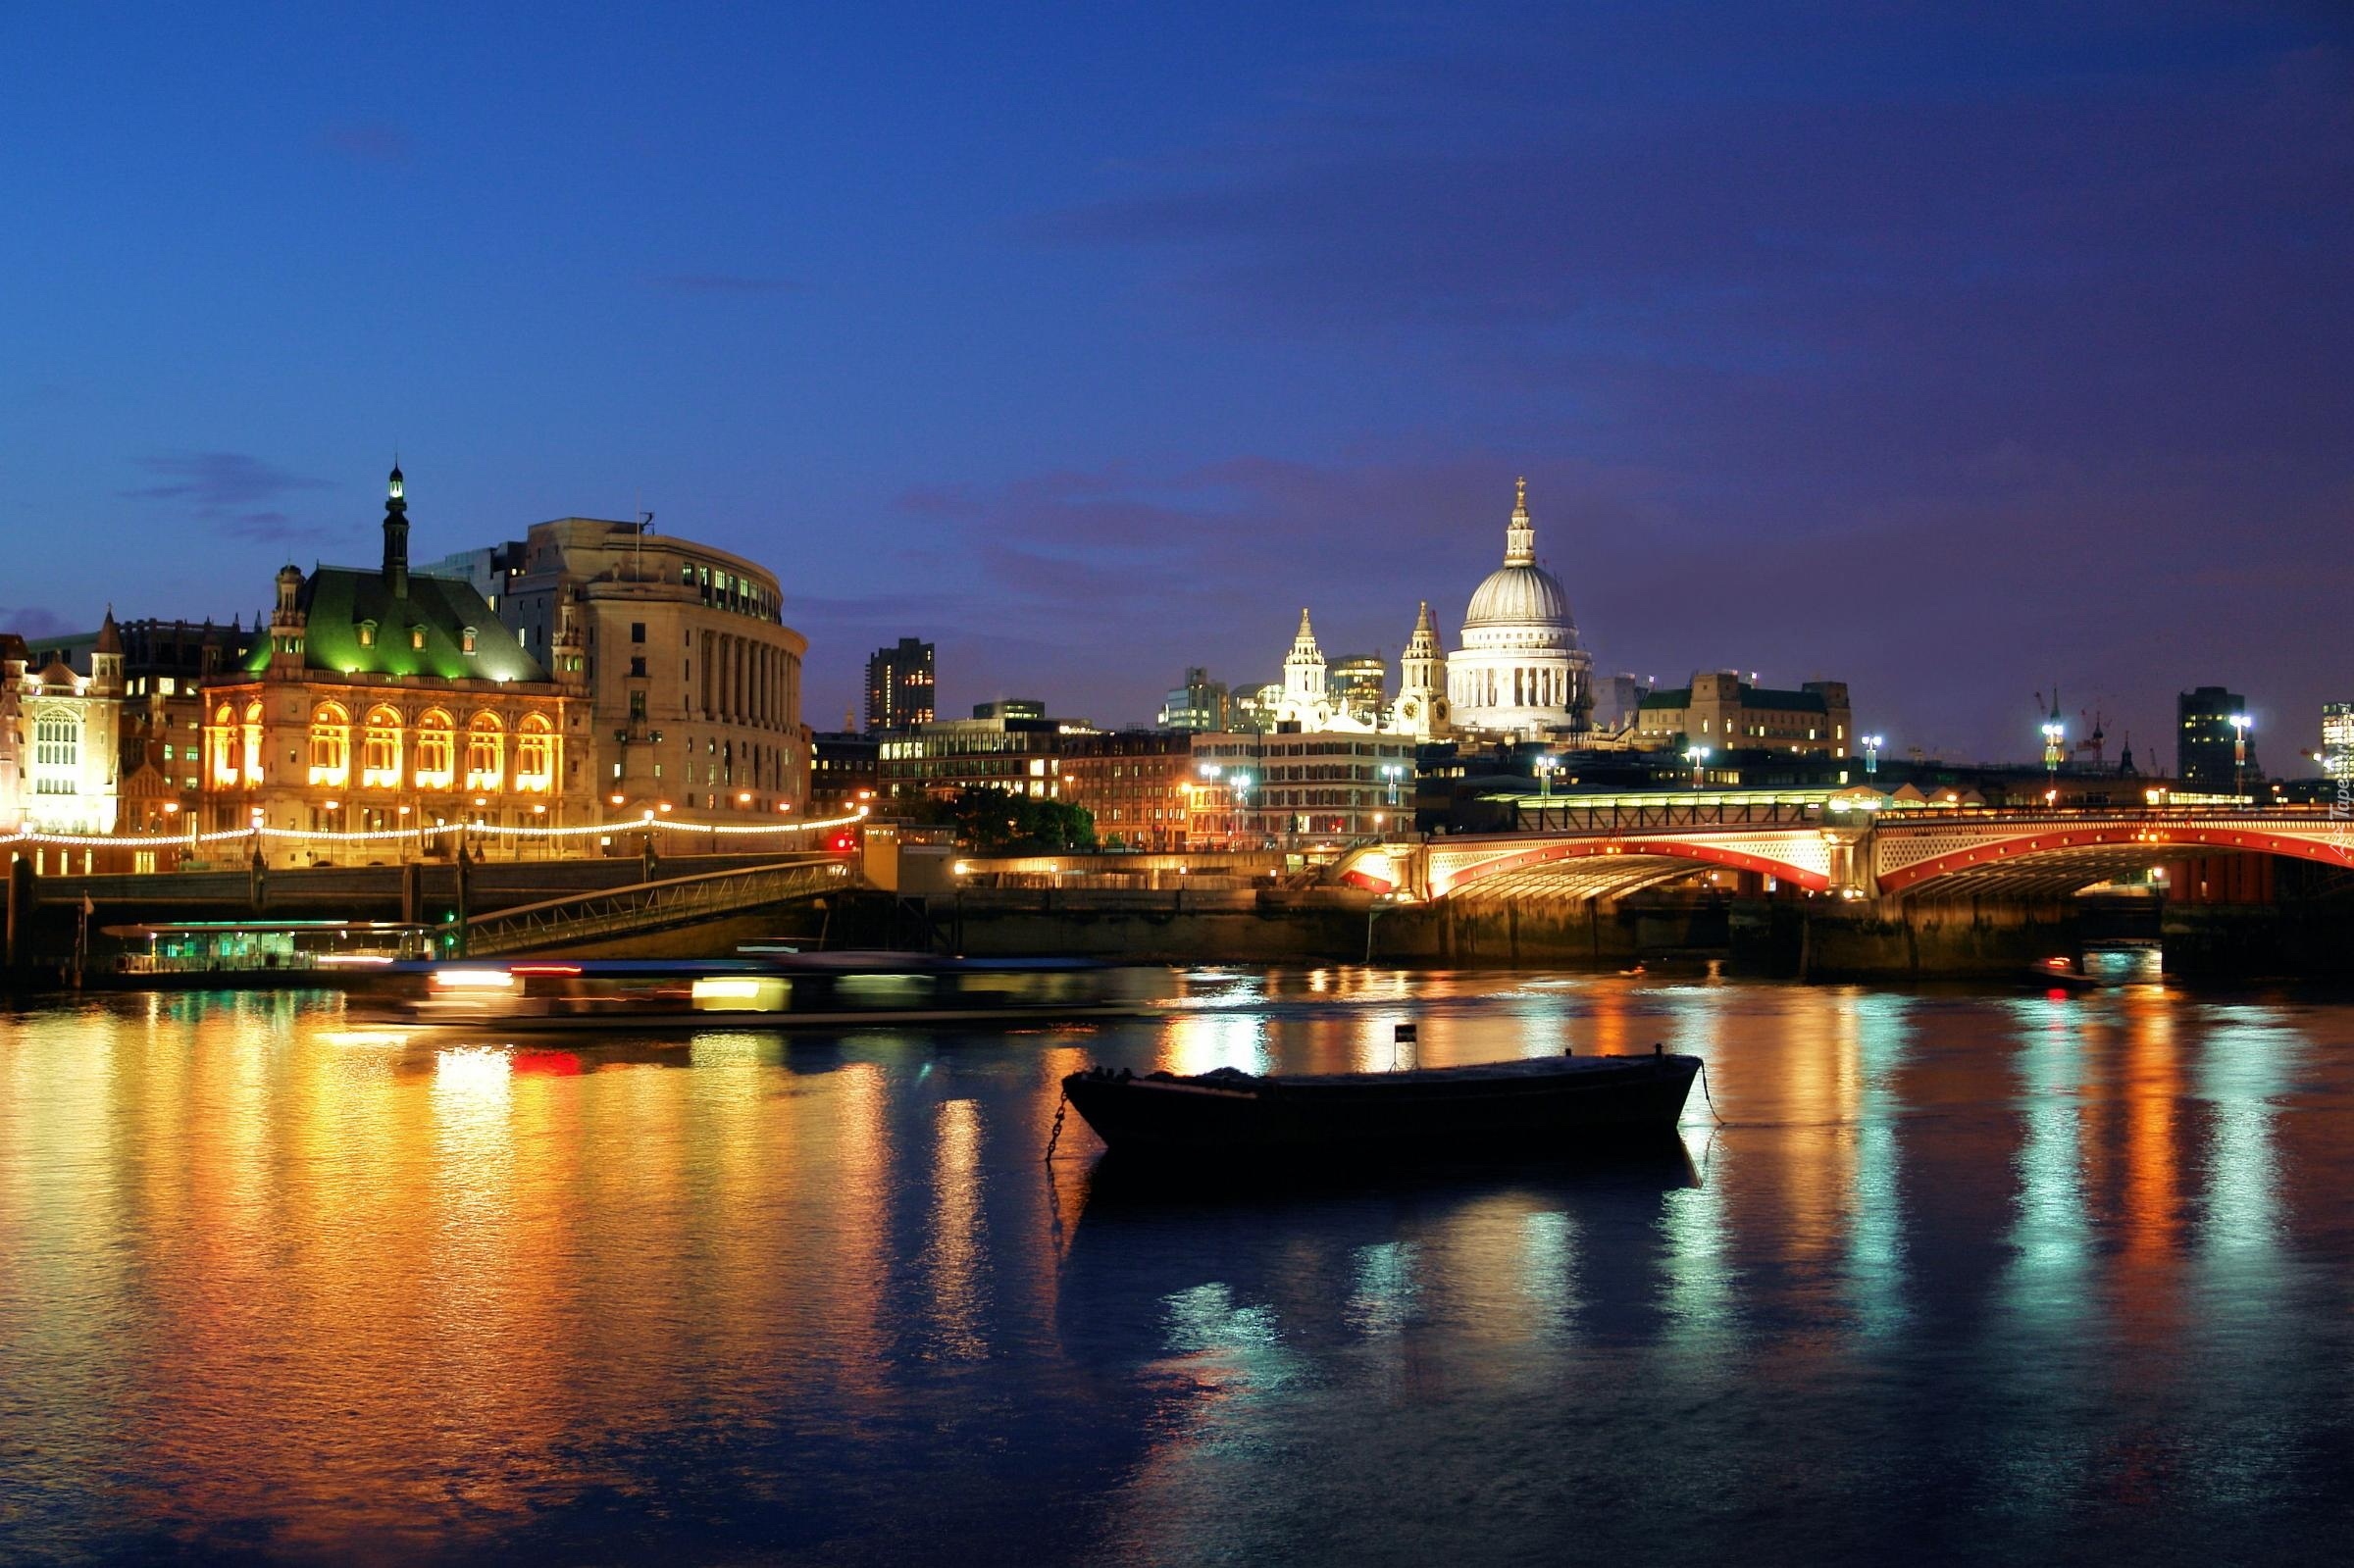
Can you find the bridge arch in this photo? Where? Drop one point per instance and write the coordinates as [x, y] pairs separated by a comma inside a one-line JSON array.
[[1592, 868], [2060, 858]]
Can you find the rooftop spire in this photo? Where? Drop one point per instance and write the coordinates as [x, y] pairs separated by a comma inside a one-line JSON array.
[[396, 533], [1520, 536]]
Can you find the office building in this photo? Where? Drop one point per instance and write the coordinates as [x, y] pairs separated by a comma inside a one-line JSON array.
[[1137, 784], [2215, 744], [694, 678], [899, 692], [842, 773], [1725, 713], [1298, 787], [2337, 740], [1200, 704]]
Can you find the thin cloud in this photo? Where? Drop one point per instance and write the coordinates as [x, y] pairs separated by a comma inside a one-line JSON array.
[[232, 491], [30, 621], [269, 528]]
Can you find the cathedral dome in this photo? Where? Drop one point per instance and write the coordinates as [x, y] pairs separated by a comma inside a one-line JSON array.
[[1520, 671], [1519, 596]]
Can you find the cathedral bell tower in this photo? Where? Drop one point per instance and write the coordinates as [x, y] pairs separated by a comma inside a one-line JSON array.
[[1304, 674], [1422, 710]]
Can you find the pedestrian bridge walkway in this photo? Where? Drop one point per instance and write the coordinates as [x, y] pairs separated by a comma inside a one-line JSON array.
[[648, 906]]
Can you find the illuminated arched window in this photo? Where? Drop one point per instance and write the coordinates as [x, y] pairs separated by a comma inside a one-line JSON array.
[[436, 749], [220, 745], [535, 754], [380, 750], [253, 744], [486, 753], [330, 745]]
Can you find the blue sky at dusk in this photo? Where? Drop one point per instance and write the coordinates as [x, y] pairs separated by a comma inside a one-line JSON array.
[[1948, 350]]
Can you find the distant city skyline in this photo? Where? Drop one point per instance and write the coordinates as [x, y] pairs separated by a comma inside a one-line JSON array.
[[1949, 356]]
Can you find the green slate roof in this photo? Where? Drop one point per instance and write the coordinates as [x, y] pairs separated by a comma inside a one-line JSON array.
[[338, 599]]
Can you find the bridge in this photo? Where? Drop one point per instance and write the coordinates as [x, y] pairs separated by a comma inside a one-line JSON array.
[[497, 907], [1887, 887], [1826, 845], [639, 908]]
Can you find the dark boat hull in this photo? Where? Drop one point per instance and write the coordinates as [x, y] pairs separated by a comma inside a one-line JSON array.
[[1540, 1107]]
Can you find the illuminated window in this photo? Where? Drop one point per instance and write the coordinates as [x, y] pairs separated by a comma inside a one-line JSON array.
[[330, 745], [221, 743], [435, 746], [486, 753], [380, 750], [56, 754], [534, 755], [253, 744]]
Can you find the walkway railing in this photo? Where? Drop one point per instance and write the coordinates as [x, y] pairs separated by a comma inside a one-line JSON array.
[[1566, 814], [651, 905]]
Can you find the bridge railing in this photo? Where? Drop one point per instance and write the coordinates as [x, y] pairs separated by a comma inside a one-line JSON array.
[[644, 906], [1566, 814]]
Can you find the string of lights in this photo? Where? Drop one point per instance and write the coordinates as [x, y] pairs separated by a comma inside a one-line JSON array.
[[642, 824]]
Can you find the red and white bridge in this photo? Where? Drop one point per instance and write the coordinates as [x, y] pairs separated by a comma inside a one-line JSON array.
[[1605, 847]]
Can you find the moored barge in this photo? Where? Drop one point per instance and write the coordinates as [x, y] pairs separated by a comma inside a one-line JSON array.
[[1546, 1105]]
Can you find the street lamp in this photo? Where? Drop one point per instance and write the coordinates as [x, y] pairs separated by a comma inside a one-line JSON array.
[[2240, 722], [1871, 753]]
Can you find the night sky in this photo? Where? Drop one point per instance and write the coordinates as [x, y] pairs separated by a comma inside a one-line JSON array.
[[1949, 354]]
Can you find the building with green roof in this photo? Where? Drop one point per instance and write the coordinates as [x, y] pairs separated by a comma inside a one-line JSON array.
[[393, 704]]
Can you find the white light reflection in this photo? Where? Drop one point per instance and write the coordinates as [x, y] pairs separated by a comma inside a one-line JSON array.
[[1875, 1227], [1382, 1297], [957, 1260], [2249, 1060], [2049, 1239], [1199, 1042], [1549, 1271]]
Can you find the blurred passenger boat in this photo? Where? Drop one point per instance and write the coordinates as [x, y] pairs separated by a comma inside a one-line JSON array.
[[768, 991]]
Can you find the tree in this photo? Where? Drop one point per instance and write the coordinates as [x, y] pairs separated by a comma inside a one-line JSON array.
[[997, 822]]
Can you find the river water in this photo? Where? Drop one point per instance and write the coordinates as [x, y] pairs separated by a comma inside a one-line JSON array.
[[1976, 1277]]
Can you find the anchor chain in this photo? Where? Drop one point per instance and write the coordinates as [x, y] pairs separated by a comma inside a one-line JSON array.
[[1062, 1108], [1707, 1098]]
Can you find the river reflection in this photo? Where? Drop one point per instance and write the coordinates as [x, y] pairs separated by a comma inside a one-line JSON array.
[[1968, 1277]]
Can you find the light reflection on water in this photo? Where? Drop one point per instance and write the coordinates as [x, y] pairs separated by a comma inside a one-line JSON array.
[[1973, 1277]]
